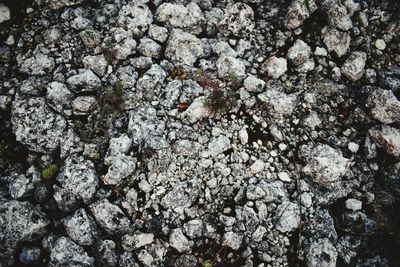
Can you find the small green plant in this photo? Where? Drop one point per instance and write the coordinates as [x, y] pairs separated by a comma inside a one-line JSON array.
[[49, 172], [220, 101], [207, 263], [112, 100], [233, 80]]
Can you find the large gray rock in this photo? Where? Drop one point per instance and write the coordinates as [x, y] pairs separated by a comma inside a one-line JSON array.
[[40, 63], [81, 228], [338, 17], [336, 40], [188, 18], [110, 217], [278, 103], [78, 182], [297, 13], [84, 81], [238, 20], [324, 165], [299, 53], [36, 126], [179, 241], [354, 66], [183, 48], [321, 253], [182, 195], [19, 222], [288, 214], [59, 97], [67, 253], [275, 66], [4, 13], [387, 138], [145, 128], [135, 17], [384, 106], [228, 67]]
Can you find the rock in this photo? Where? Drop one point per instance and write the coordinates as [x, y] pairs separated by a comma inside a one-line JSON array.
[[106, 253], [288, 214], [85, 81], [149, 48], [39, 64], [299, 53], [179, 241], [336, 41], [58, 4], [353, 204], [354, 67], [67, 253], [119, 45], [325, 165], [196, 111], [117, 146], [36, 126], [98, 64], [253, 84], [238, 20], [183, 194], [5, 14], [110, 217], [186, 261], [278, 103], [122, 166], [297, 13], [321, 253], [19, 186], [284, 177], [186, 147], [384, 106], [145, 128], [30, 255], [19, 222], [81, 228], [228, 66], [233, 240], [390, 78], [219, 145], [188, 18], [387, 138], [312, 120], [276, 66], [127, 259], [135, 17], [137, 240], [273, 191], [257, 167], [339, 18], [78, 182], [353, 147], [59, 97], [243, 136], [158, 33], [183, 48], [193, 228], [33, 86], [151, 82], [83, 105], [380, 44]]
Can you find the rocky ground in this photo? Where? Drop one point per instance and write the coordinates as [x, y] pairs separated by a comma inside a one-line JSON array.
[[200, 133]]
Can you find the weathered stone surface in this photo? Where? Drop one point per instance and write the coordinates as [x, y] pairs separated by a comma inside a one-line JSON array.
[[36, 126]]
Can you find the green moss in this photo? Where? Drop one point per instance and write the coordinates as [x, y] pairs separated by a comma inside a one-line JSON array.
[[207, 263], [49, 172]]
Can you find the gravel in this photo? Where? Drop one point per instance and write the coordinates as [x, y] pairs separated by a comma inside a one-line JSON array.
[[209, 133]]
